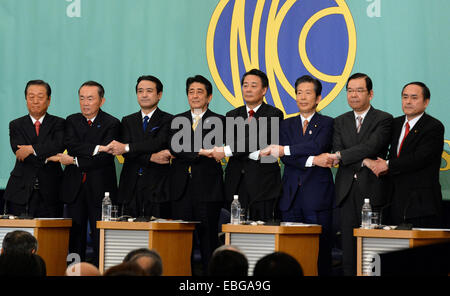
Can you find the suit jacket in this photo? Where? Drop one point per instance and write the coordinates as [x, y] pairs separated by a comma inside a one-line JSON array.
[[414, 175], [205, 174], [371, 142], [48, 143], [142, 146], [313, 186], [263, 179], [81, 140]]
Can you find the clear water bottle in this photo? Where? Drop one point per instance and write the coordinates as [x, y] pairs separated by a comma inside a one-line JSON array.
[[106, 207], [235, 211], [366, 214]]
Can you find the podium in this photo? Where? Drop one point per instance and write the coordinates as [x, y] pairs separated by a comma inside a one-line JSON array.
[[372, 242], [172, 240], [52, 236], [256, 241]]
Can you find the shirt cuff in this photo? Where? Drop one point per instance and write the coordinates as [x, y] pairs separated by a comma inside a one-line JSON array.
[[75, 159], [127, 148], [309, 162], [96, 150], [287, 151], [227, 151], [254, 155]]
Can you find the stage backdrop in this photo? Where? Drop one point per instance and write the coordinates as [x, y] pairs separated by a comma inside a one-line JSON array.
[[67, 42]]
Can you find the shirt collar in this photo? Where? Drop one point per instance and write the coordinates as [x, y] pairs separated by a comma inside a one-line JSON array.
[[254, 109], [307, 118], [201, 114], [40, 119], [413, 121], [149, 114], [363, 115]]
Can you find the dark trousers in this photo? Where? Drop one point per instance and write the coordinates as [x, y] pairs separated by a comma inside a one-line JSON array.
[[324, 219], [36, 207], [85, 208], [253, 210], [141, 206], [350, 213], [189, 208]]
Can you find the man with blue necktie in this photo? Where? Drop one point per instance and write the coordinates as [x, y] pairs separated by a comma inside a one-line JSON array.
[[144, 145]]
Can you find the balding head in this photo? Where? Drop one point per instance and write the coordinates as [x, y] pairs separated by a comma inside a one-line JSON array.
[[82, 269]]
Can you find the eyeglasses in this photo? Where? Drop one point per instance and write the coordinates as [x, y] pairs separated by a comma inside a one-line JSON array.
[[358, 90]]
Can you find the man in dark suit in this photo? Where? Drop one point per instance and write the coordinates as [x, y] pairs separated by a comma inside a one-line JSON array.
[[308, 187], [358, 134], [90, 170], [144, 145], [256, 179], [196, 180], [414, 161], [36, 139]]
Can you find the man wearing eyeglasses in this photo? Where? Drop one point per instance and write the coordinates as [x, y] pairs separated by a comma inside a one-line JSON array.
[[361, 133]]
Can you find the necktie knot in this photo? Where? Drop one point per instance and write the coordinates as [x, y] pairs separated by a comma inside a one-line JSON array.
[[359, 119], [145, 123], [37, 126], [195, 121], [251, 113], [89, 122], [305, 125]]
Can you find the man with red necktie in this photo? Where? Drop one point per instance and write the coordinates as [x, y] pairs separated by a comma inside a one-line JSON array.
[[35, 138], [90, 169], [413, 162]]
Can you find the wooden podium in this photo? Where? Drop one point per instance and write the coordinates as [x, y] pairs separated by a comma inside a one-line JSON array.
[[301, 242], [52, 236], [378, 241], [172, 240]]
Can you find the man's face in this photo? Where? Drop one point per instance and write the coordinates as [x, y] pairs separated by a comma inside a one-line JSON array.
[[90, 101], [252, 90], [37, 100], [198, 98], [413, 102], [306, 98], [147, 95], [358, 97]]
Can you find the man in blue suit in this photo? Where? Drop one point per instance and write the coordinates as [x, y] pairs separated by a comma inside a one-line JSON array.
[[308, 188]]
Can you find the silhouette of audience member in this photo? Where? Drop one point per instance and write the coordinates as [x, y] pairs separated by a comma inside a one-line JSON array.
[[277, 264], [147, 259], [20, 242], [228, 261], [82, 269], [126, 269], [21, 264]]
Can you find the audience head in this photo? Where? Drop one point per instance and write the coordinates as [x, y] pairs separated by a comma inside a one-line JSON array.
[[82, 269], [21, 264], [277, 264], [228, 261], [125, 269], [147, 259], [20, 242]]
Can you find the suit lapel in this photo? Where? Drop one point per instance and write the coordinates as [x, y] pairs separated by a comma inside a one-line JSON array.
[[154, 122], [367, 122], [29, 128], [415, 131], [46, 127]]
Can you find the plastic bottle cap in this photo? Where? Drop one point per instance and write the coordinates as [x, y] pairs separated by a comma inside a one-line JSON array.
[[235, 196], [366, 200]]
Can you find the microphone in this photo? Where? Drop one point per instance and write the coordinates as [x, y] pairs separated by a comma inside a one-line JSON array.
[[142, 218], [404, 225]]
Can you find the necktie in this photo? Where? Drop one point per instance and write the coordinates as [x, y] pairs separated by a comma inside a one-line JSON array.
[[195, 122], [90, 122], [145, 123], [251, 113], [305, 125], [404, 137], [37, 126], [358, 128]]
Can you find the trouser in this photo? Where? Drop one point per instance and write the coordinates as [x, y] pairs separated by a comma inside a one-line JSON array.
[[84, 209], [324, 219], [189, 208], [36, 207]]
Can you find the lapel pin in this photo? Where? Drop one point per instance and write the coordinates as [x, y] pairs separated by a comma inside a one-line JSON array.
[[310, 132]]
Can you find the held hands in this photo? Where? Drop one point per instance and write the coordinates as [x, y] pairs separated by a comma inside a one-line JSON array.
[[325, 160], [217, 153], [114, 148], [379, 166], [274, 150], [64, 159], [162, 157], [24, 151]]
